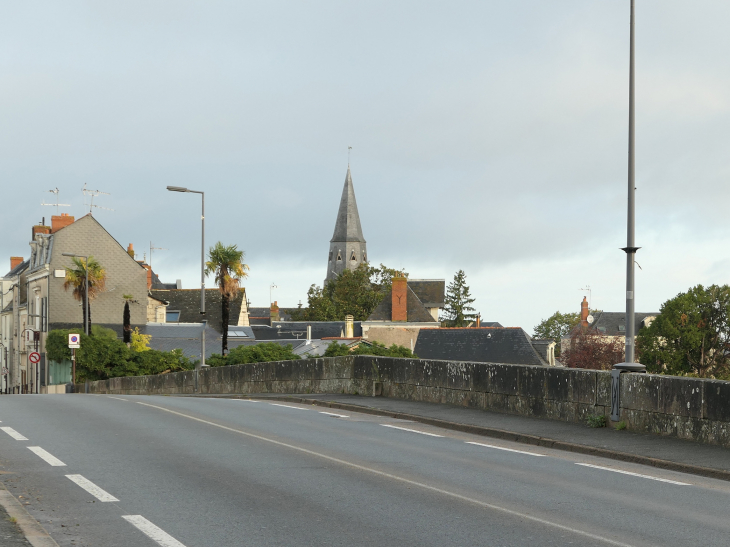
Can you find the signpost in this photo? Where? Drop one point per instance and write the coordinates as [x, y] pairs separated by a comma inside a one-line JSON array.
[[34, 357], [74, 342]]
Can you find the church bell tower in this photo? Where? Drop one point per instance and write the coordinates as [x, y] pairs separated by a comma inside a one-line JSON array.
[[347, 246]]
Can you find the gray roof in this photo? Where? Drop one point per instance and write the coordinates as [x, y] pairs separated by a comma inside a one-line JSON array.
[[20, 268], [417, 313], [157, 284], [614, 323], [347, 227], [482, 345], [186, 337], [187, 302], [431, 292], [290, 330]]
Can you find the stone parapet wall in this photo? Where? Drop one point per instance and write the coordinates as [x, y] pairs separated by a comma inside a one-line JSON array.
[[688, 408]]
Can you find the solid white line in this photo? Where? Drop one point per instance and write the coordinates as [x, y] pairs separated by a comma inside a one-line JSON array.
[[91, 488], [154, 532], [46, 456], [507, 449], [14, 434], [411, 430], [246, 400], [118, 398], [403, 480], [289, 406], [335, 415], [634, 474]]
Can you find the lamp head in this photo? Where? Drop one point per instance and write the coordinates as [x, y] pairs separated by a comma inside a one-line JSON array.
[[177, 189]]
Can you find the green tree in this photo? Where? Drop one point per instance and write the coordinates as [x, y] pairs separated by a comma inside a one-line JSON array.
[[226, 263], [457, 308], [354, 292], [557, 326], [76, 280], [378, 349], [126, 321], [691, 335], [258, 353]]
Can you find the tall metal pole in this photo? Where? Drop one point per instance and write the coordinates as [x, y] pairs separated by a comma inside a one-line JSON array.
[[202, 284], [631, 248]]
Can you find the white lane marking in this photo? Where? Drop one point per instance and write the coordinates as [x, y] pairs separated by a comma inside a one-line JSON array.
[[334, 415], [634, 474], [46, 456], [403, 480], [91, 488], [118, 398], [507, 449], [153, 532], [14, 434], [247, 400], [289, 406], [411, 430]]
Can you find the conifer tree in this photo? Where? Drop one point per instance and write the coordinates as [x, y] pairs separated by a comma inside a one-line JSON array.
[[457, 310]]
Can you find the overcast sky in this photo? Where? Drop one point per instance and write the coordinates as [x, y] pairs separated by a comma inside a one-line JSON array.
[[487, 136]]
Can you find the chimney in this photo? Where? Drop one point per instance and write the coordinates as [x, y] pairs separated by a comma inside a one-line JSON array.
[[400, 299], [60, 221], [149, 272], [349, 326], [130, 250], [274, 312], [40, 229], [178, 283], [479, 320], [309, 334], [584, 312], [15, 261]]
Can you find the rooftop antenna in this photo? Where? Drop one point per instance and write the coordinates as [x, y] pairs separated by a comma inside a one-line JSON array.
[[56, 205], [590, 297], [93, 194], [153, 248]]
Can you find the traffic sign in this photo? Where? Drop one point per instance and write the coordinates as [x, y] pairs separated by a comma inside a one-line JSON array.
[[74, 341], [34, 357]]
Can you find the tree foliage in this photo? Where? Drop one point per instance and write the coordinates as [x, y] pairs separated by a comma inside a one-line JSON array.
[[337, 350], [103, 356], [76, 280], [226, 263], [458, 311], [691, 335], [139, 341], [589, 349], [257, 353], [557, 326], [354, 292]]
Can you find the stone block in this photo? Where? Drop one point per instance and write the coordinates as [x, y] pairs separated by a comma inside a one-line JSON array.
[[558, 384], [717, 400], [603, 388], [504, 379], [641, 392], [532, 381], [582, 386], [459, 375], [496, 401], [480, 380], [681, 396]]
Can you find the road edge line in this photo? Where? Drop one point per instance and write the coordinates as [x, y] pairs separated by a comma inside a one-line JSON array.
[[30, 527]]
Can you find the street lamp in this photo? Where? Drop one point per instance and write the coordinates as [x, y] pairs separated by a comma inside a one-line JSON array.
[[202, 264], [86, 288]]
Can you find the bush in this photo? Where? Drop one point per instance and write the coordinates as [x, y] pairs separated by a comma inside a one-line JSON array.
[[377, 349], [596, 420], [257, 353], [104, 356]]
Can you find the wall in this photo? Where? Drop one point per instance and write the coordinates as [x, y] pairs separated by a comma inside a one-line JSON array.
[[688, 408], [405, 336]]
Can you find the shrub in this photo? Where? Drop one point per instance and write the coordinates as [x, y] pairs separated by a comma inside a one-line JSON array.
[[378, 349], [595, 420], [257, 353]]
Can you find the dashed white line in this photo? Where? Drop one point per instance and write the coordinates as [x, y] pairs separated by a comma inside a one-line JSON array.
[[153, 532], [91, 488], [289, 406], [46, 456], [247, 400], [118, 398], [411, 430], [14, 434], [507, 449], [634, 474], [334, 415]]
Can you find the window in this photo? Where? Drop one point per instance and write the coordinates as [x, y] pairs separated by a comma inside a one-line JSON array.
[[172, 316], [622, 328], [353, 258], [339, 256]]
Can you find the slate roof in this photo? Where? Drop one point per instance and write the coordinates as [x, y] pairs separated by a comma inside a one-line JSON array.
[[431, 292], [416, 311], [482, 345], [20, 268], [116, 327], [614, 323], [186, 336], [288, 330], [187, 302], [157, 284], [347, 226], [490, 324]]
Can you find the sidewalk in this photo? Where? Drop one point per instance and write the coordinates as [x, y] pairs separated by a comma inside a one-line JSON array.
[[655, 450]]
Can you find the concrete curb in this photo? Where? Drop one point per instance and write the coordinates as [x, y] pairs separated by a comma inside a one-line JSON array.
[[30, 527], [516, 437]]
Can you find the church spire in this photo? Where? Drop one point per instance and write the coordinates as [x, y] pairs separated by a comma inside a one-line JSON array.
[[347, 246]]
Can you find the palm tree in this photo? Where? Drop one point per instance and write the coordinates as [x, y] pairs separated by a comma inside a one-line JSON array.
[[76, 279], [226, 263]]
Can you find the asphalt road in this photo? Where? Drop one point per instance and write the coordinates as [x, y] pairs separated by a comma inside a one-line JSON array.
[[163, 471]]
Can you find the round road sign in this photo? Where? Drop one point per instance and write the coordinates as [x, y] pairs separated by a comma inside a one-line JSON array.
[[73, 338], [34, 357]]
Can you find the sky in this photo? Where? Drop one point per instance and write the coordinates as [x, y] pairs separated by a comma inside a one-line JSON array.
[[486, 136]]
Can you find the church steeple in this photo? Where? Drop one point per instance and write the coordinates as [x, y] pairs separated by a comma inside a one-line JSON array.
[[347, 246]]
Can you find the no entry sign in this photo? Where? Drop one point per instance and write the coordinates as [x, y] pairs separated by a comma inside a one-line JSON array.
[[34, 357]]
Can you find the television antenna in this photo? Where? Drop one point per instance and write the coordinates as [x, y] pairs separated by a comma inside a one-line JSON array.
[[152, 247], [56, 205], [93, 194], [590, 298]]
